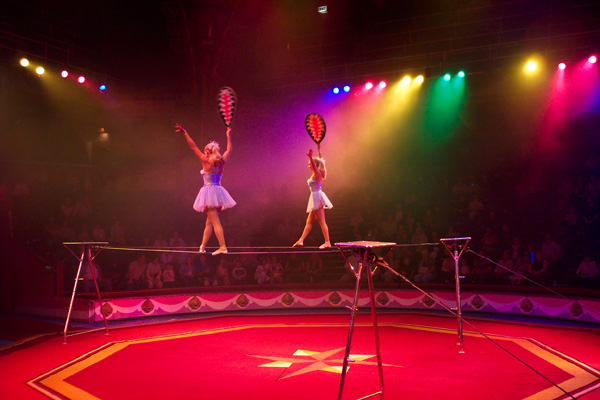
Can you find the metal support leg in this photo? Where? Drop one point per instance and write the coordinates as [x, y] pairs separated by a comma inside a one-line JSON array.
[[86, 252], [364, 266], [350, 330]]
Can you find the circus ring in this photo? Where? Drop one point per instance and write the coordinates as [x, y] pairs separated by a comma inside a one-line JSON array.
[[288, 342]]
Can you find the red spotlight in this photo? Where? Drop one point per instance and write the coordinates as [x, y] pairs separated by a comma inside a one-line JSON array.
[[382, 84], [64, 73], [369, 85], [592, 59], [562, 65], [81, 79]]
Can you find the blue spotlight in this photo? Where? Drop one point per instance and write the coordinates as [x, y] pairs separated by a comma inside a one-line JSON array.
[[102, 87], [461, 74], [347, 88], [336, 90], [447, 77]]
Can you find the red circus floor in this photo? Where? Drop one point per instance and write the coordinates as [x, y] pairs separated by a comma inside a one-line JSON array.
[[300, 356]]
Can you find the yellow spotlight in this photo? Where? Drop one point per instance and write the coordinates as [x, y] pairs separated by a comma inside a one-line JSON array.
[[531, 66], [405, 81], [419, 79], [39, 70], [24, 62]]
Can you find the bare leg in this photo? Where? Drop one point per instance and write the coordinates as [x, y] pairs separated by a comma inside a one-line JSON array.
[[320, 213], [309, 221], [213, 216], [208, 230]]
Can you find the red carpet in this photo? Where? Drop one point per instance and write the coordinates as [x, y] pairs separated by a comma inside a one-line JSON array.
[[299, 357]]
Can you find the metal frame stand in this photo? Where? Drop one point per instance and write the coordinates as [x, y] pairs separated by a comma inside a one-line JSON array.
[[453, 245], [364, 250], [86, 253]]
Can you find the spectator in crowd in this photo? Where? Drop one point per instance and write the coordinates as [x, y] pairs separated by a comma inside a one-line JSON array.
[[177, 241], [222, 273], [238, 273], [204, 271], [482, 270], [587, 273], [154, 273], [168, 276], [503, 270], [538, 269], [277, 269], [552, 251], [521, 267], [314, 266], [88, 280], [447, 270], [186, 272], [136, 274], [98, 233], [425, 268], [261, 274]]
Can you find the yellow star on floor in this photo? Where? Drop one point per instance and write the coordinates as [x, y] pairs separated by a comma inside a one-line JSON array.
[[319, 361]]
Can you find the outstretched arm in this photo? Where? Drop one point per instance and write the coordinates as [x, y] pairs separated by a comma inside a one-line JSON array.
[[191, 143], [228, 151], [313, 166]]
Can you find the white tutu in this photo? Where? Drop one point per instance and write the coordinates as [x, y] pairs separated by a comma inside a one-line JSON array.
[[212, 194], [318, 199]]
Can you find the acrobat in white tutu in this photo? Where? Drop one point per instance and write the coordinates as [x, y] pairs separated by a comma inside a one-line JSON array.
[[317, 202], [318, 199], [212, 194], [212, 197]]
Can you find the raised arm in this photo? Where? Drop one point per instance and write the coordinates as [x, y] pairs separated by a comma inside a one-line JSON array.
[[191, 143], [225, 155], [313, 166]]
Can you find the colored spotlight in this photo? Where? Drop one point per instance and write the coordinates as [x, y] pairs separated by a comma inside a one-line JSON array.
[[64, 73], [447, 77], [81, 79], [592, 60], [461, 74], [382, 84], [336, 90], [419, 79], [102, 87], [369, 85], [562, 66], [40, 70], [346, 88], [531, 66], [405, 81], [24, 62]]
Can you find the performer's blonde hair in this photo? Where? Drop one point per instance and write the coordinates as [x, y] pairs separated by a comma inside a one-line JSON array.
[[320, 164], [214, 148]]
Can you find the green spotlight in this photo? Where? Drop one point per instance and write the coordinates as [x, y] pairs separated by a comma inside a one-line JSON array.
[[447, 77], [461, 74]]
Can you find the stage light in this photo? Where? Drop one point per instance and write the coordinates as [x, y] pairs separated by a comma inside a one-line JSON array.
[[336, 90], [461, 74], [405, 81], [531, 66], [382, 84], [369, 85], [592, 59], [447, 77], [24, 62], [64, 73], [81, 79], [419, 79], [102, 87], [562, 65], [39, 70], [346, 88]]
